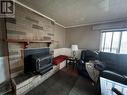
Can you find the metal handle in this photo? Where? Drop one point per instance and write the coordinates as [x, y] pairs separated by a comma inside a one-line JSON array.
[[117, 91]]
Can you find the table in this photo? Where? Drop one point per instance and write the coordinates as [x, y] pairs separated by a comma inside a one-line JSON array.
[[71, 61]]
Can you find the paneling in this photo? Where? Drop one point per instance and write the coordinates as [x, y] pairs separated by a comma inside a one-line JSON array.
[[31, 26]]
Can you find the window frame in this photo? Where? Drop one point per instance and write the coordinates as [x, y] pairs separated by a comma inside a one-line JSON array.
[[112, 31]]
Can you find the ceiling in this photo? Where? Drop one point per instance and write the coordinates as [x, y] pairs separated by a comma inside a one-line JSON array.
[[80, 12]]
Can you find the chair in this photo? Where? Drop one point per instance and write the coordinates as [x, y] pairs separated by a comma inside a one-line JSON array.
[[86, 55]]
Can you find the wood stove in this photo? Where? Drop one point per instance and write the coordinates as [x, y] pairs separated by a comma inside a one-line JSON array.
[[37, 60]]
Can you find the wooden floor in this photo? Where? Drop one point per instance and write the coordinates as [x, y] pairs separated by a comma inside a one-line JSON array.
[[65, 82]]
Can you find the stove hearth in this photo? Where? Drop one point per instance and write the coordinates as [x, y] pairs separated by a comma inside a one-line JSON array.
[[37, 60]]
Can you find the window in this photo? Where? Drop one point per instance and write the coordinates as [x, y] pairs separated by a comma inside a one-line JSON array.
[[108, 39], [123, 48], [114, 42]]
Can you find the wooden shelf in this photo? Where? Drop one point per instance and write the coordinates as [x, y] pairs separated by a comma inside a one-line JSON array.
[[26, 41]]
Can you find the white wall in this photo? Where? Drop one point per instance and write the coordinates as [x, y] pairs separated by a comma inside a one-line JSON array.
[[62, 51], [84, 37], [4, 69], [66, 51]]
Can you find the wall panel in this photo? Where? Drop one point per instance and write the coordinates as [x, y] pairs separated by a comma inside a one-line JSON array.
[[28, 25]]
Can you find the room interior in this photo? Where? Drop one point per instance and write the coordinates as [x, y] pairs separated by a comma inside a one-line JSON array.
[[64, 47]]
